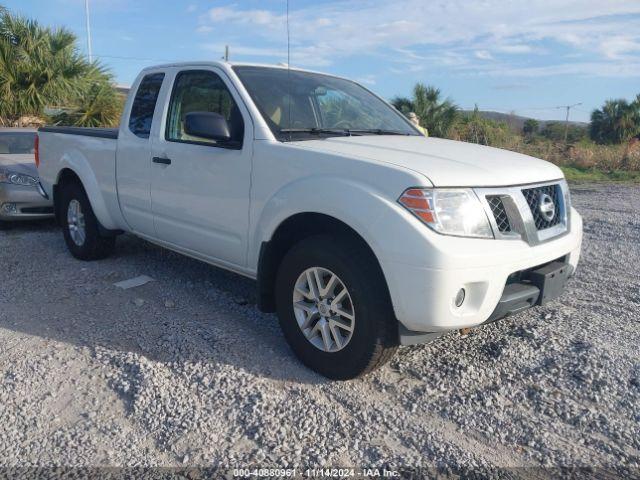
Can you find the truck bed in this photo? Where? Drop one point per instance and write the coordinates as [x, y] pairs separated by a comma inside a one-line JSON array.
[[85, 131], [90, 153]]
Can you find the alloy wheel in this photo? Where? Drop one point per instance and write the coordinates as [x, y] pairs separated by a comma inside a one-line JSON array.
[[75, 222], [323, 309]]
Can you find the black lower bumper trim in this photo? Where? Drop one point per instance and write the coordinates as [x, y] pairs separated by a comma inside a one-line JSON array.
[[409, 337], [537, 287], [515, 298]]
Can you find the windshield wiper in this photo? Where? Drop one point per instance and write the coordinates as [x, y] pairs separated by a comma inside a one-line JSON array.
[[377, 131], [318, 131], [346, 132]]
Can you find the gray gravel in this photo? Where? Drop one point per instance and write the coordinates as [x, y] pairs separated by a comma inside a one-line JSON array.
[[185, 371]]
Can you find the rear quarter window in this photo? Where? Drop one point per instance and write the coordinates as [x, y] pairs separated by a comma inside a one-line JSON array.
[[144, 105]]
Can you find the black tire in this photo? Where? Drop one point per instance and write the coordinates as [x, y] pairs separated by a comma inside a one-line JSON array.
[[95, 246], [375, 335]]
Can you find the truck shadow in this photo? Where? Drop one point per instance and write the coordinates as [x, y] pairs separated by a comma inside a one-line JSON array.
[[190, 312]]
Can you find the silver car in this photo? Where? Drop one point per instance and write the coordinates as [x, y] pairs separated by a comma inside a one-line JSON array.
[[20, 191]]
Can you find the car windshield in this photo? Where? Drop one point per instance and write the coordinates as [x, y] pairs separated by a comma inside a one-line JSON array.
[[17, 142], [301, 105]]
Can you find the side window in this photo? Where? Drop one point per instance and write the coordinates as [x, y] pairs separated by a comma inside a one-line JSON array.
[[201, 91], [144, 104]]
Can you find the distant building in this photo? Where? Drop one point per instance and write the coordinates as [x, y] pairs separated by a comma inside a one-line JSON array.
[[123, 89]]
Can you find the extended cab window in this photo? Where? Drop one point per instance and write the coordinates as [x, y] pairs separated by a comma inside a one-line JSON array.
[[202, 91], [144, 104]]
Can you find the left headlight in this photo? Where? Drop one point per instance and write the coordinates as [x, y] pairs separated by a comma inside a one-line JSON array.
[[449, 211], [7, 176]]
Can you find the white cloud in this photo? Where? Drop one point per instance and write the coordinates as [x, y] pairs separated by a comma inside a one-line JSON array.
[[483, 55], [458, 34], [191, 8], [255, 17], [515, 49], [600, 69], [619, 47]]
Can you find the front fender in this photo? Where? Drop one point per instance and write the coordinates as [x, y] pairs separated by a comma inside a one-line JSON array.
[[75, 161], [380, 221], [345, 200]]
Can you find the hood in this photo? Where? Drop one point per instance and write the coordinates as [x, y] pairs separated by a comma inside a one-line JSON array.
[[19, 163], [445, 163]]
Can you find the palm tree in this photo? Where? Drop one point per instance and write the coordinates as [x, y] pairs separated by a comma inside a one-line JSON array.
[[41, 67], [616, 122], [95, 107], [436, 115]]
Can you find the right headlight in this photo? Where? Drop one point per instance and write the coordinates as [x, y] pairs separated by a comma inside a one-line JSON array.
[[449, 211]]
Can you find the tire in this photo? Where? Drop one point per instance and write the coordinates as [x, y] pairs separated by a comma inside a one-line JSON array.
[[374, 337], [93, 246]]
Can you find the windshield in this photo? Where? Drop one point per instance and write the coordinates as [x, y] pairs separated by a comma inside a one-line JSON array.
[[17, 142], [321, 105]]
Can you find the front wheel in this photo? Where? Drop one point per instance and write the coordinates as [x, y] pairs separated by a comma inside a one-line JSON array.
[[334, 308], [80, 226]]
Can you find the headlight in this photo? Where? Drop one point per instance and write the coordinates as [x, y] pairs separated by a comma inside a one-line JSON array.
[[7, 176], [450, 211]]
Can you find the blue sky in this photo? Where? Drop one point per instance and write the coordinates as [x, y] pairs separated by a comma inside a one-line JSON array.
[[505, 55]]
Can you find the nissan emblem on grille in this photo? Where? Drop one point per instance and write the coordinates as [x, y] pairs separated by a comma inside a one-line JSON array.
[[545, 203], [546, 206]]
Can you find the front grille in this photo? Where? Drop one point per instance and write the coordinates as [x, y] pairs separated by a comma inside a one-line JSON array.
[[499, 213], [532, 195]]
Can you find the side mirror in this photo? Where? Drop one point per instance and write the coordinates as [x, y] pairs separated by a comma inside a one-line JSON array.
[[207, 125]]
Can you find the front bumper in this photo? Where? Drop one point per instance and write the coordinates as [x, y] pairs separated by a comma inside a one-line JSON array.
[[18, 202], [424, 296]]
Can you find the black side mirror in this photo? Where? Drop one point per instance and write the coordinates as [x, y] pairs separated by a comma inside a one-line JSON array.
[[207, 125]]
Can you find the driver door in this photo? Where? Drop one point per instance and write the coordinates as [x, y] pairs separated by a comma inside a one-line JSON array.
[[200, 187]]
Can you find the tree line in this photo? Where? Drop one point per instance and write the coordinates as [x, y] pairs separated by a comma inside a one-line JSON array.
[[616, 122]]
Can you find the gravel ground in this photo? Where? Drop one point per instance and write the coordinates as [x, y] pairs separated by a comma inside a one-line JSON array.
[[185, 370]]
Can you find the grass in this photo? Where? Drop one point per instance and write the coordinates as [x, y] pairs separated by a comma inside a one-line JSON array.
[[579, 174]]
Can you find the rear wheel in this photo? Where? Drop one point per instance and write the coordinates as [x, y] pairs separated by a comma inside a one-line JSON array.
[[80, 226], [334, 308]]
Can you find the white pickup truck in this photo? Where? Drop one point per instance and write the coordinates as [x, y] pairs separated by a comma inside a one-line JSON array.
[[362, 234]]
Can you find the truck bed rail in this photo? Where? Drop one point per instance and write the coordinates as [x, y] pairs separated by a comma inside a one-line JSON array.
[[85, 131]]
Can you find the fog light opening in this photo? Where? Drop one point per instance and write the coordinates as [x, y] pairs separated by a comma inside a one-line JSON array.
[[459, 300], [9, 208]]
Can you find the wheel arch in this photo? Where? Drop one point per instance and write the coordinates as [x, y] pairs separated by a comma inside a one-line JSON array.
[[288, 233], [66, 176]]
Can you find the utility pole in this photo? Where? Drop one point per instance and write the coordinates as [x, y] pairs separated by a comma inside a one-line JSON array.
[[86, 12], [226, 53], [566, 121]]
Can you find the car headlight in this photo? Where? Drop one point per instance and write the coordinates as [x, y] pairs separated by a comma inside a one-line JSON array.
[[449, 211], [7, 176]]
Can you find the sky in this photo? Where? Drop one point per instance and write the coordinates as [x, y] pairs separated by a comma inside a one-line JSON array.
[[528, 57]]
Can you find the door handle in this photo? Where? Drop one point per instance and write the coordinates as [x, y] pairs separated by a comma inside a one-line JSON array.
[[164, 161]]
